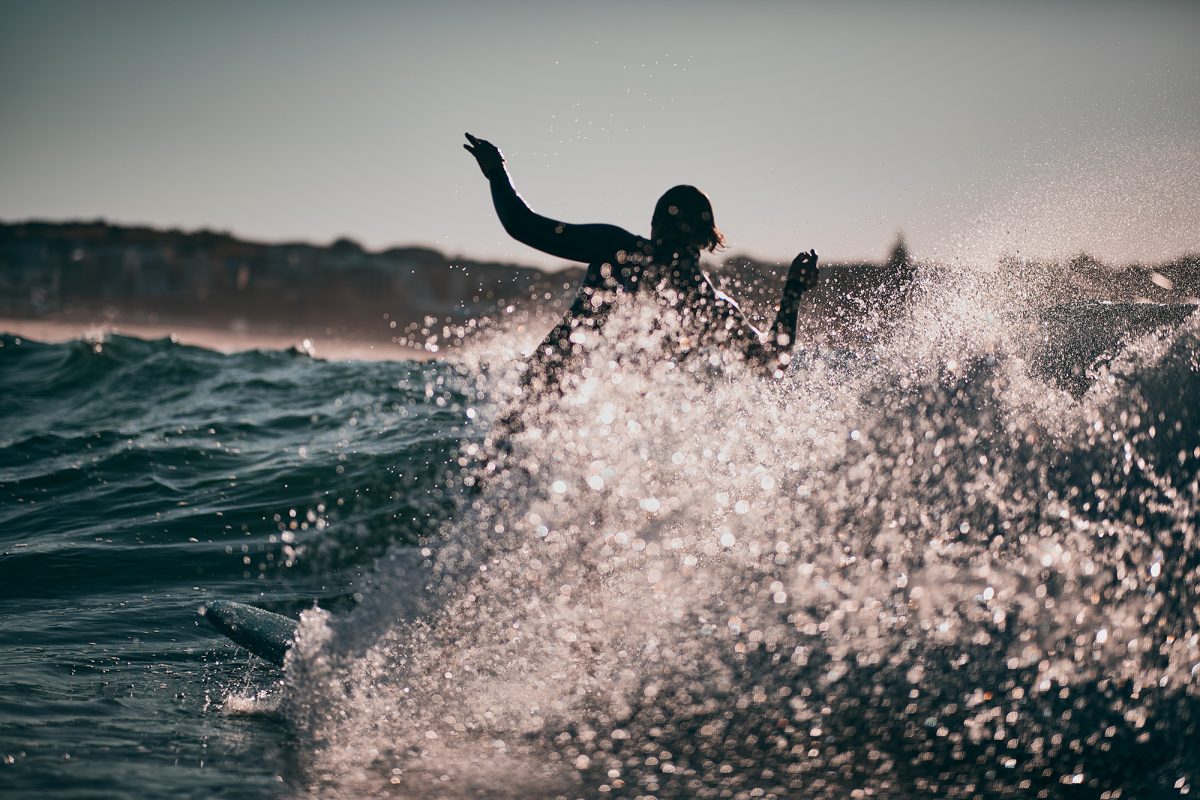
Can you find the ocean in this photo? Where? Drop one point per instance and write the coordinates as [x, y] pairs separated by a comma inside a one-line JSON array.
[[947, 554]]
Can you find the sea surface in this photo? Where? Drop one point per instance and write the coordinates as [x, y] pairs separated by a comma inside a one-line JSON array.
[[948, 554]]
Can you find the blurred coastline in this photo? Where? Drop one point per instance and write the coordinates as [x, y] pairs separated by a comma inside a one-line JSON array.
[[62, 280]]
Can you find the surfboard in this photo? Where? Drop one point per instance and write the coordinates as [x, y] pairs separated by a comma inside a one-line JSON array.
[[263, 633]]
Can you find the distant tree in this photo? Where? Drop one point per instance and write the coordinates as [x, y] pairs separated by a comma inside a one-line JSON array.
[[346, 245], [902, 269], [899, 259]]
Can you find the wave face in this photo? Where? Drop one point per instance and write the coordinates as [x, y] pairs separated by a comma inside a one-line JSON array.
[[930, 560], [950, 554]]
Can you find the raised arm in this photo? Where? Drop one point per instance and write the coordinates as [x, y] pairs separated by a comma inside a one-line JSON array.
[[586, 243]]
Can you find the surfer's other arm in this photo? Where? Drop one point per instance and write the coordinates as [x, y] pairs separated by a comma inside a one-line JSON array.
[[801, 277], [776, 346], [586, 243]]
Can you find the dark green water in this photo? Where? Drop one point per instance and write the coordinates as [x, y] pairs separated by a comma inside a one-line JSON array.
[[140, 478]]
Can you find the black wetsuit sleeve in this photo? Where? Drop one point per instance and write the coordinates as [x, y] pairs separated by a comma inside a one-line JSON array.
[[586, 243]]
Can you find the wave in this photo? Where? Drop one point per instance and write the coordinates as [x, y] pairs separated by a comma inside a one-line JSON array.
[[129, 463], [917, 565]]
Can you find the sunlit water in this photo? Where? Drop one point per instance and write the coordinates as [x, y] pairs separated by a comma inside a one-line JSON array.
[[947, 554]]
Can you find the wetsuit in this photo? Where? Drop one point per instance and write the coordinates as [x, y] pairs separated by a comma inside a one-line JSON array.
[[617, 264], [698, 314]]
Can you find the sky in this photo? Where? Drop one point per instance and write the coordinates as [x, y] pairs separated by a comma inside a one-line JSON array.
[[1035, 128]]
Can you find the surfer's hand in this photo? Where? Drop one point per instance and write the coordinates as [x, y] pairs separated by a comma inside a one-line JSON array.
[[486, 154], [803, 273]]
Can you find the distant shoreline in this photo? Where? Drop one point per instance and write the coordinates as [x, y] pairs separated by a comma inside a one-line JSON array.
[[223, 341], [61, 281]]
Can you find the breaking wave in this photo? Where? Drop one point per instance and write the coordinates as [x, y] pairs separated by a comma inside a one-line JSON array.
[[945, 555]]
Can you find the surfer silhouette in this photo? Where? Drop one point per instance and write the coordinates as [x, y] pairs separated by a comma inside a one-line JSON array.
[[622, 263]]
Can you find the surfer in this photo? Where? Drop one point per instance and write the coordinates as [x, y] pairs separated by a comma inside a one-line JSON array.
[[621, 263]]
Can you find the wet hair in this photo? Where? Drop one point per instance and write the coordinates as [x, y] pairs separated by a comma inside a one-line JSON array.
[[683, 216]]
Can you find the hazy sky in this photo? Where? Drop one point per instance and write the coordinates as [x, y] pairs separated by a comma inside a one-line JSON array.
[[1035, 127]]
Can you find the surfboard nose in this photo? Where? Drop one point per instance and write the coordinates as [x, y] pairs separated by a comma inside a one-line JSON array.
[[265, 634]]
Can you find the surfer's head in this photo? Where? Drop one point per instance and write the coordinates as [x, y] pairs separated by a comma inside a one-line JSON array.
[[683, 217]]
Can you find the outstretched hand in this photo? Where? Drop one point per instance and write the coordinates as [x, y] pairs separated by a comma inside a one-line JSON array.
[[487, 155], [804, 272]]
